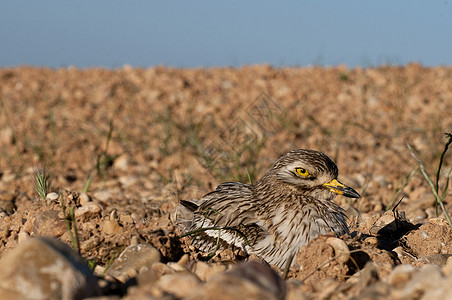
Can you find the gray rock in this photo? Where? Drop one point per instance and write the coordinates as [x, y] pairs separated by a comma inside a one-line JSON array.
[[132, 259], [180, 284], [251, 280], [45, 268], [48, 223]]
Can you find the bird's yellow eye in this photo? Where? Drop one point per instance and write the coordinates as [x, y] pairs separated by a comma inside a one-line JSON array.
[[302, 172]]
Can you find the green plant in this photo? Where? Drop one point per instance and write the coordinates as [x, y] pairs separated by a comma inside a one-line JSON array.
[[69, 218], [41, 182], [435, 189]]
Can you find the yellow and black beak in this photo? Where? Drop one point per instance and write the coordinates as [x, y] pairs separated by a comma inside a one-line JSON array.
[[341, 189]]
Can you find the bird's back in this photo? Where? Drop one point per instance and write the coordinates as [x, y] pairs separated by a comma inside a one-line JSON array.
[[222, 218]]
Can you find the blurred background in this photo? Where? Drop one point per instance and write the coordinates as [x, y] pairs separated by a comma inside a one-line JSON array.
[[224, 33]]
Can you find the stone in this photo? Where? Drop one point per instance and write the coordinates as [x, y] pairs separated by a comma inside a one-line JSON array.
[[437, 259], [45, 268], [447, 269], [102, 196], [48, 223], [52, 197], [205, 271], [132, 259], [112, 227], [401, 274], [384, 225], [429, 277], [84, 199], [341, 251], [88, 211], [180, 284], [22, 237], [250, 280], [161, 269], [121, 163]]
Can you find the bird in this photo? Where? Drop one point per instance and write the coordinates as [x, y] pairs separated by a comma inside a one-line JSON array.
[[274, 217]]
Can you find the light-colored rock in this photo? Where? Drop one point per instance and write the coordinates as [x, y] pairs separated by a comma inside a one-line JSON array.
[[438, 221], [437, 259], [428, 278], [401, 274], [205, 271], [161, 269], [176, 267], [45, 268], [112, 227], [385, 224], [48, 223], [251, 280], [52, 197], [180, 284], [88, 211], [22, 237], [341, 251], [102, 196], [121, 163], [84, 199], [132, 259], [447, 269], [183, 261]]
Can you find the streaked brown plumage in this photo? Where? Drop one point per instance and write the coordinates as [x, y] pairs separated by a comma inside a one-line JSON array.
[[289, 206]]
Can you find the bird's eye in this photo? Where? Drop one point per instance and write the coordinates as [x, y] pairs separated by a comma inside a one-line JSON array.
[[302, 172]]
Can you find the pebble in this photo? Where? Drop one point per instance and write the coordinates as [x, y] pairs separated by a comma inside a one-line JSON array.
[[126, 218], [401, 274], [385, 224], [102, 196], [447, 269], [341, 251], [22, 237], [88, 211], [250, 280], [438, 221], [161, 269], [121, 163], [429, 277], [48, 223], [132, 259], [84, 199], [52, 197], [437, 259], [112, 227], [180, 285], [205, 271], [45, 268], [371, 240]]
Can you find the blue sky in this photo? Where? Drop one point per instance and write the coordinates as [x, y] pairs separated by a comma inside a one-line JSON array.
[[224, 33]]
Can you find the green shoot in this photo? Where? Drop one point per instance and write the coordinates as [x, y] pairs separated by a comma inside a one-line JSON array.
[[70, 224], [435, 193], [446, 146], [88, 182], [41, 182]]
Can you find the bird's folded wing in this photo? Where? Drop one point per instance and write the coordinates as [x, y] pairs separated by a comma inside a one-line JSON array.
[[231, 204]]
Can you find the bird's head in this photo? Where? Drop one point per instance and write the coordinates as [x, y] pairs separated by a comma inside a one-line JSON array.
[[312, 172]]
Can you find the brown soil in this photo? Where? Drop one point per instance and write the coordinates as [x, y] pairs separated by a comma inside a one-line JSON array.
[[144, 138]]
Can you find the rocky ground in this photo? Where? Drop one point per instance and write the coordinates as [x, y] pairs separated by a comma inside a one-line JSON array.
[[121, 147]]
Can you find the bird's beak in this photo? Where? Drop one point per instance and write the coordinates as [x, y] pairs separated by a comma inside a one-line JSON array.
[[341, 189]]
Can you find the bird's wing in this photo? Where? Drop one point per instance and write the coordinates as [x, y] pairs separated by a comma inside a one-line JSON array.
[[231, 210], [231, 204]]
